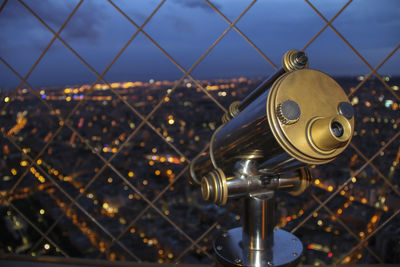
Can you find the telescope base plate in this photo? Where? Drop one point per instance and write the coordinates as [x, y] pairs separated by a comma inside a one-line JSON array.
[[286, 250]]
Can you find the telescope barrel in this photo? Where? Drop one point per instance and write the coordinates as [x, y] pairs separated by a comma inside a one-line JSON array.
[[260, 89]]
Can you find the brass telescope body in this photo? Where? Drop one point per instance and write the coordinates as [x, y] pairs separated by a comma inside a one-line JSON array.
[[292, 124], [296, 118]]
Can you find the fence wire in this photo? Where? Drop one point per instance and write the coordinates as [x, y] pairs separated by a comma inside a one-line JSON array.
[[108, 163]]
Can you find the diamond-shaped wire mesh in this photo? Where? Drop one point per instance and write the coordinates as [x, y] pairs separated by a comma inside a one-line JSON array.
[[100, 174]]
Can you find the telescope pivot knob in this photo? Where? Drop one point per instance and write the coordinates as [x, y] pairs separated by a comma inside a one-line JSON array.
[[294, 60], [214, 187], [288, 112]]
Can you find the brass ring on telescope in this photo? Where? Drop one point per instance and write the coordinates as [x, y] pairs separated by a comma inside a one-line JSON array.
[[214, 187], [305, 181]]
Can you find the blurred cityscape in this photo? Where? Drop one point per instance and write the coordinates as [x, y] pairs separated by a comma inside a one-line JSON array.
[[101, 183]]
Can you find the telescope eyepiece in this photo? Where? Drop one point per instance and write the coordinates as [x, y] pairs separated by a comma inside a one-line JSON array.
[[327, 134], [337, 129]]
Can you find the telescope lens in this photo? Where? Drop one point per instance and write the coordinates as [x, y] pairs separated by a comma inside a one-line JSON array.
[[337, 129]]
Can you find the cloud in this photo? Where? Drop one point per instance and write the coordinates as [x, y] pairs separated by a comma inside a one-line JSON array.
[[180, 24], [197, 4], [85, 24]]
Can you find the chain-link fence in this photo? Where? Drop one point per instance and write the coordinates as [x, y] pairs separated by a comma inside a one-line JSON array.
[[97, 171]]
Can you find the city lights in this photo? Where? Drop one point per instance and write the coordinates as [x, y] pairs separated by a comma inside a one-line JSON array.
[[103, 124], [24, 163]]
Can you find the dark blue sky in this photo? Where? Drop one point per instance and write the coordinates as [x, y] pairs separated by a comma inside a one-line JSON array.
[[185, 29]]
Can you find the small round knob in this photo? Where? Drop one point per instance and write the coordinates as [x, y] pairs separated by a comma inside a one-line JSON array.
[[346, 109], [294, 60], [288, 112]]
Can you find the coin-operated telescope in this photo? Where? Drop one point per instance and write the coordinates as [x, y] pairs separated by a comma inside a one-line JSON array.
[[295, 118]]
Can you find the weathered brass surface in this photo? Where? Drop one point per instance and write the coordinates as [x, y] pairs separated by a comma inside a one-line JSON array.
[[318, 97]]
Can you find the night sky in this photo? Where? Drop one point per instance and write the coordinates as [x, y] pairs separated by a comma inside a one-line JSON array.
[[185, 29]]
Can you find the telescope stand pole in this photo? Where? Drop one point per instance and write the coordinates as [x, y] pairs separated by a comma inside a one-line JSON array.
[[257, 243], [258, 230]]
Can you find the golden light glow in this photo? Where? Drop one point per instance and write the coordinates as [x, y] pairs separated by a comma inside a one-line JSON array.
[[317, 181], [354, 179], [46, 246], [14, 171], [24, 163], [171, 121], [42, 211], [131, 174], [374, 219], [41, 179], [157, 172], [39, 161], [330, 188]]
